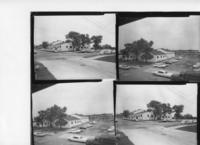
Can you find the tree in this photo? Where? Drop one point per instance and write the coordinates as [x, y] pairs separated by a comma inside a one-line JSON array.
[[156, 106], [146, 56], [40, 119], [178, 109], [107, 46], [166, 108], [96, 40], [76, 39], [126, 113], [139, 47], [45, 44], [61, 117], [55, 113], [188, 116], [85, 39]]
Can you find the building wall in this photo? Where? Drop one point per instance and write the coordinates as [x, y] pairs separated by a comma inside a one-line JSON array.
[[72, 123], [157, 58], [142, 116]]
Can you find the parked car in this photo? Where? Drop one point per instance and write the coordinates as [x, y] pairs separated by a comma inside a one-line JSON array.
[[197, 65], [75, 130], [86, 126], [40, 134], [111, 129], [92, 122], [160, 65], [163, 73], [78, 138], [125, 67]]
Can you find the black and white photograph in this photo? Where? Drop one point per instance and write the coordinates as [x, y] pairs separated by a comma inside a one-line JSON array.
[[157, 114], [159, 48], [73, 113], [74, 47]]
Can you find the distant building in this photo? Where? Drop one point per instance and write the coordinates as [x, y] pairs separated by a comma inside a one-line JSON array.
[[107, 51], [168, 116], [101, 117], [157, 55], [73, 120], [59, 46], [141, 114]]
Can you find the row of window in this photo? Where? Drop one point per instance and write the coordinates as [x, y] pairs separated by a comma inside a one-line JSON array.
[[161, 56]]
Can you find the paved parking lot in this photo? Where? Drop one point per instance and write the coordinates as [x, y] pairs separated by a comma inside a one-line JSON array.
[[71, 65], [60, 138], [144, 73], [156, 133]]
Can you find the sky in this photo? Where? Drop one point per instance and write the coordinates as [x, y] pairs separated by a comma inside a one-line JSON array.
[[52, 28], [166, 32], [134, 97], [82, 98]]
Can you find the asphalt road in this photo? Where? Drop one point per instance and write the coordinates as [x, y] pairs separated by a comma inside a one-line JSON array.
[[144, 73], [69, 65], [60, 138], [155, 133]]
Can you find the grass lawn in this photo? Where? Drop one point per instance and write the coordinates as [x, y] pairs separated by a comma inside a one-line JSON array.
[[42, 73], [122, 139], [192, 128], [110, 58]]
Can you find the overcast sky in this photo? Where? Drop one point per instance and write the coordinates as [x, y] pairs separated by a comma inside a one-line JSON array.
[[134, 97], [51, 28], [172, 33], [84, 98]]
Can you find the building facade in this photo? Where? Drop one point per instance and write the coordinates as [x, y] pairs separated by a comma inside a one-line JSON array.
[[157, 55], [139, 115], [73, 120], [60, 46]]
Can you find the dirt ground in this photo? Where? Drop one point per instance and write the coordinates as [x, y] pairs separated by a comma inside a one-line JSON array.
[[60, 138], [156, 133], [71, 65], [144, 73]]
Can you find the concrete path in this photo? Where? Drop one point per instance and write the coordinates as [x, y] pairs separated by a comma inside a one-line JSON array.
[[80, 68], [160, 136]]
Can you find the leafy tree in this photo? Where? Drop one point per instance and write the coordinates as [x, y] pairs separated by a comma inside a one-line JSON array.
[[188, 116], [45, 44], [41, 118], [61, 122], [107, 46], [55, 113], [156, 106], [126, 113], [178, 109], [61, 117], [139, 47], [76, 39], [85, 39], [166, 108], [146, 56], [96, 40]]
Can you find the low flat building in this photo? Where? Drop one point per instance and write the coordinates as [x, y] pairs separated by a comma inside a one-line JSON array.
[[159, 55], [139, 115], [73, 120], [60, 46]]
